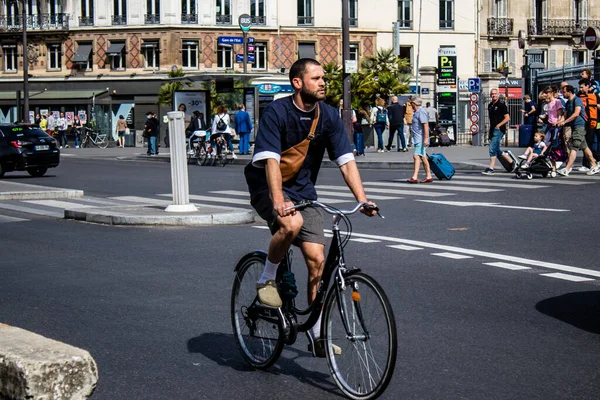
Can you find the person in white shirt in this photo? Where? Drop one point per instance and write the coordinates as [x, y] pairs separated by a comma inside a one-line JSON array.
[[221, 125], [61, 125]]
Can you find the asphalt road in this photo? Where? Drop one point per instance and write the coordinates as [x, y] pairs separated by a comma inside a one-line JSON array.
[[479, 312]]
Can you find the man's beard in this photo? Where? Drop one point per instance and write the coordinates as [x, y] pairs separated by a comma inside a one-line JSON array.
[[309, 97]]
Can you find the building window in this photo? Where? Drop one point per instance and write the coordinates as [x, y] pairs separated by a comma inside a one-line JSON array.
[[87, 13], [354, 52], [407, 52], [10, 58], [580, 57], [305, 12], [189, 54], [223, 12], [54, 57], [446, 14], [119, 12], [353, 13], [189, 13], [151, 52], [257, 12], [405, 14], [500, 9], [499, 59], [225, 56], [116, 51], [306, 50], [152, 16], [260, 55]]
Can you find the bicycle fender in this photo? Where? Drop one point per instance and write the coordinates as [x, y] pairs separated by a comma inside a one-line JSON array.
[[256, 253]]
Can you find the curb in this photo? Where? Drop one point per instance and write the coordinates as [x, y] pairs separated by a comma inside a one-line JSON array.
[[41, 194], [113, 217]]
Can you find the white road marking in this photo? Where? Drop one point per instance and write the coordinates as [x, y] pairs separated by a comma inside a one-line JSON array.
[[141, 200], [31, 210], [433, 186], [512, 267], [495, 205], [7, 219], [546, 181], [350, 195], [521, 185], [389, 191], [328, 235], [451, 255], [361, 240], [58, 204], [404, 247], [567, 277], [232, 193]]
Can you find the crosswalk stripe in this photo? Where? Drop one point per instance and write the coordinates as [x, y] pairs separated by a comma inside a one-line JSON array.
[[454, 256], [512, 267], [58, 204], [33, 210], [6, 219], [362, 240], [404, 247], [320, 192], [141, 200], [233, 193], [567, 277], [546, 181], [435, 186], [390, 191], [516, 185]]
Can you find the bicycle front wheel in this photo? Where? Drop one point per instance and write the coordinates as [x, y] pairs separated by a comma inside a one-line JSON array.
[[257, 329], [102, 141], [361, 322]]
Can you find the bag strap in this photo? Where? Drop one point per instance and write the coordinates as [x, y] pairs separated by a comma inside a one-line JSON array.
[[313, 127]]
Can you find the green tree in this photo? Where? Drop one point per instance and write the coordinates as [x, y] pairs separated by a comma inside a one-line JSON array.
[[390, 73], [166, 91]]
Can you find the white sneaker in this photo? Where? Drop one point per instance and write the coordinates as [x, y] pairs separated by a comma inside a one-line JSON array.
[[593, 171], [583, 169], [233, 156], [213, 154], [60, 147], [563, 172], [559, 164], [191, 152], [76, 147], [523, 157]]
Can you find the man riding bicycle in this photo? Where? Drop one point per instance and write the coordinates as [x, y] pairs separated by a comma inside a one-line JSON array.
[[286, 123]]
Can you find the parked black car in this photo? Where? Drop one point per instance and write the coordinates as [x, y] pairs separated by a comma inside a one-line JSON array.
[[26, 148]]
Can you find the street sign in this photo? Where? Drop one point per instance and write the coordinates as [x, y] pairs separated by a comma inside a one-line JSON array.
[[474, 129], [474, 97], [474, 85], [447, 65], [474, 107], [239, 58], [231, 40], [245, 22], [424, 90], [474, 118], [592, 38], [350, 66]]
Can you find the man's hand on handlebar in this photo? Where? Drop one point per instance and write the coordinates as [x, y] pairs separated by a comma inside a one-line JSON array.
[[370, 210], [283, 209]]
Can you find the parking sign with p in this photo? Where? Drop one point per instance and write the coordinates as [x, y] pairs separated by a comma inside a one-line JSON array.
[[474, 85]]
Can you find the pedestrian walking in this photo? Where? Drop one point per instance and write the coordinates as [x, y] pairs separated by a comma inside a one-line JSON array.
[[61, 125], [243, 127], [432, 116], [380, 121], [77, 129], [420, 138], [408, 117], [499, 117], [121, 129], [396, 117], [44, 123], [150, 132]]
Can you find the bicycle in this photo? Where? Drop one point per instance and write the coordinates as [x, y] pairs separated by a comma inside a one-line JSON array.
[[359, 320], [220, 149], [94, 136]]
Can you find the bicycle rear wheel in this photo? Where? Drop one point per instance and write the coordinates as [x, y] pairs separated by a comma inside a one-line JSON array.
[[365, 367], [258, 331], [102, 141]]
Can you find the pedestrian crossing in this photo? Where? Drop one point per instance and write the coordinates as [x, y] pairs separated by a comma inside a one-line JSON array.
[[461, 186]]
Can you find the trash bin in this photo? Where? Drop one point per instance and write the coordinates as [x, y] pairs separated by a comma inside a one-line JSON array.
[[130, 139], [525, 135]]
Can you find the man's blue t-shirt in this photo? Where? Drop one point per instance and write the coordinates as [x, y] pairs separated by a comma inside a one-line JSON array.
[[570, 109], [420, 117], [283, 125]]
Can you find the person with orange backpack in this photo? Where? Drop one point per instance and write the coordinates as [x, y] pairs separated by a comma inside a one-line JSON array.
[[590, 103]]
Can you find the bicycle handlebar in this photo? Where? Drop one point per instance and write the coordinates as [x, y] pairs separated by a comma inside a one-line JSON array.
[[333, 211]]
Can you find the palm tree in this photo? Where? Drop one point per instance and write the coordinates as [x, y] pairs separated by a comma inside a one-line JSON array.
[[334, 83], [389, 72], [166, 91]]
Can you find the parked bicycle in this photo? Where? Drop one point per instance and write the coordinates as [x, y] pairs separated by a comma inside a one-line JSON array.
[[95, 137], [357, 315]]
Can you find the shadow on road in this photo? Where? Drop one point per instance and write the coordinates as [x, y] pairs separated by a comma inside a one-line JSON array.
[[580, 309], [222, 349]]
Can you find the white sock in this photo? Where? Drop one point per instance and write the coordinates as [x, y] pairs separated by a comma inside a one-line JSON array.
[[316, 329], [269, 273]]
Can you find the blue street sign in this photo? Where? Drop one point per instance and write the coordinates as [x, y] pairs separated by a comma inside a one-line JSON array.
[[231, 40], [250, 40], [239, 58], [474, 85]]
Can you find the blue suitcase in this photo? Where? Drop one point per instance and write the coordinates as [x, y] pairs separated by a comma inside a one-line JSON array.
[[440, 166]]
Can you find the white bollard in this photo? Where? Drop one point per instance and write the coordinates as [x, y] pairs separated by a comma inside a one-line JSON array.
[[179, 171]]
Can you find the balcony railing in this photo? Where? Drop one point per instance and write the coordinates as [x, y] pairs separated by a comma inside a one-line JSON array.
[[223, 19], [305, 20], [446, 24], [35, 22], [151, 19], [558, 27], [259, 20], [86, 21], [119, 20], [405, 24], [189, 18], [500, 26]]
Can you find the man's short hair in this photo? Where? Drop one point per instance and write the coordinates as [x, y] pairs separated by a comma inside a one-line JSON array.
[[299, 67], [570, 89], [149, 113], [417, 101], [585, 82], [492, 89]]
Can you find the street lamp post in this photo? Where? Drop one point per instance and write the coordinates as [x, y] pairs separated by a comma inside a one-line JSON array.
[[25, 64], [347, 110]]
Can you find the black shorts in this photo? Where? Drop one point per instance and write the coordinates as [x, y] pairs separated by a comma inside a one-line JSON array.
[[312, 228]]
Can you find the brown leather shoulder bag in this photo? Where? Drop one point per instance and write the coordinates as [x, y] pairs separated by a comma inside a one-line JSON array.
[[293, 158]]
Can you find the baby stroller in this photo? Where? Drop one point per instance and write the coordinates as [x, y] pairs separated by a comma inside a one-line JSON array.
[[543, 164]]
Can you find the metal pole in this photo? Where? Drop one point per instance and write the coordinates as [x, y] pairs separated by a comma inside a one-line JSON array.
[[419, 46], [179, 171], [245, 53], [25, 65], [347, 110]]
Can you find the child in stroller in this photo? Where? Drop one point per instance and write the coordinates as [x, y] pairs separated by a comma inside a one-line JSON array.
[[536, 159], [539, 148]]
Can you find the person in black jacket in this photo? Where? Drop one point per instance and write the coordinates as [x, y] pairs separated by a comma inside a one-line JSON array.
[[396, 115], [151, 132]]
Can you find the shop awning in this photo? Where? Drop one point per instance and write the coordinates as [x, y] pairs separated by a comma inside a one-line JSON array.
[[83, 54], [115, 49], [65, 95]]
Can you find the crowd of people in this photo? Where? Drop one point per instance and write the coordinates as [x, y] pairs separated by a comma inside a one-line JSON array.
[[58, 127]]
